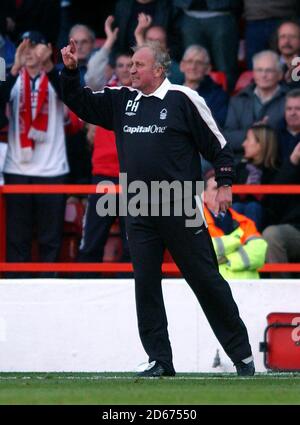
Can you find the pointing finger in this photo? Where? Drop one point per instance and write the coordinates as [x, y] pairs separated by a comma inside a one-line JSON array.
[[72, 46]]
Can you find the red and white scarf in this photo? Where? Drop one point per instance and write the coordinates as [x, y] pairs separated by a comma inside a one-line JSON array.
[[32, 130]]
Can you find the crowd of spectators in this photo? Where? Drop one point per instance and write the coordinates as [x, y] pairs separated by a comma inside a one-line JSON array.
[[239, 55]]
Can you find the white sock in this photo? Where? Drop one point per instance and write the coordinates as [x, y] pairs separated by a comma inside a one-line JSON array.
[[248, 360]]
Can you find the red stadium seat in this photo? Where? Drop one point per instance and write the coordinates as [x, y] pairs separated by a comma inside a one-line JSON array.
[[99, 42], [243, 81], [220, 78]]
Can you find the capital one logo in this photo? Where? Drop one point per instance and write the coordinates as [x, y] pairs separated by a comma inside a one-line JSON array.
[[296, 71], [131, 107], [296, 331], [2, 69]]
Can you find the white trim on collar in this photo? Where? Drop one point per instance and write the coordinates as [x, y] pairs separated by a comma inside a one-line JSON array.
[[160, 92]]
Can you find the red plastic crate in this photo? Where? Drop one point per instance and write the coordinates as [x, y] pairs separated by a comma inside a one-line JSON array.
[[281, 344]]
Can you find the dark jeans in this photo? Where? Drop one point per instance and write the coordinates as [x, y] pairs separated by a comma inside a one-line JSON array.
[[258, 37], [96, 232], [45, 212], [193, 252], [251, 210], [219, 35]]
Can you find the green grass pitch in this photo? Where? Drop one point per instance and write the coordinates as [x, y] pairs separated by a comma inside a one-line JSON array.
[[124, 388]]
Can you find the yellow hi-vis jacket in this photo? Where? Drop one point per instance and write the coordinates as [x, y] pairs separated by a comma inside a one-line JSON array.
[[241, 253]]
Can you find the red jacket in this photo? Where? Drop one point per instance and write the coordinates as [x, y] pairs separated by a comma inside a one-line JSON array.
[[105, 158]]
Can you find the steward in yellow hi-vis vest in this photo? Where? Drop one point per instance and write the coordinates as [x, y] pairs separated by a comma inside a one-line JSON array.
[[239, 246]]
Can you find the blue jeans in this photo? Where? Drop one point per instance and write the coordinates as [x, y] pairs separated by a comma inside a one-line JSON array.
[[251, 210]]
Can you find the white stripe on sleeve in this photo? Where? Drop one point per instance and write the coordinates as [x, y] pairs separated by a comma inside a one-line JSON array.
[[203, 110]]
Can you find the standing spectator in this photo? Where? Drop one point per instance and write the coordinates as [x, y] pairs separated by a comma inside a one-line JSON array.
[[283, 236], [289, 135], [196, 66], [39, 15], [36, 151], [288, 46], [162, 12], [262, 19], [261, 101], [213, 24], [145, 32], [7, 16]]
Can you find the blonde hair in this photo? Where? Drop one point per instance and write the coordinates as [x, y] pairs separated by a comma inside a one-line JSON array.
[[267, 138]]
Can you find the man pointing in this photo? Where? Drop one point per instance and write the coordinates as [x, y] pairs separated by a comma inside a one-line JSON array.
[[181, 127]]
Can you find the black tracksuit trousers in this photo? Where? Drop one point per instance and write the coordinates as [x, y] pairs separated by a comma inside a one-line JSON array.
[[193, 252]]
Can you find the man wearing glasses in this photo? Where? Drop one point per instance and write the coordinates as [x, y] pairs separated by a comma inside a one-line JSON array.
[[261, 101]]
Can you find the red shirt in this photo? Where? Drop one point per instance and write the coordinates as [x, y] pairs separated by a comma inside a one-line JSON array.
[[105, 158]]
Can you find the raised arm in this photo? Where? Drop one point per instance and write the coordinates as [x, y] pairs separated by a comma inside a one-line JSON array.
[[144, 22], [96, 75], [95, 108]]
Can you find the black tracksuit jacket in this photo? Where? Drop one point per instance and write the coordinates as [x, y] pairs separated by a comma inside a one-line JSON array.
[[159, 136]]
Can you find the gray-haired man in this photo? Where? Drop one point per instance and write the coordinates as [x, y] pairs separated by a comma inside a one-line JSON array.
[[160, 129]]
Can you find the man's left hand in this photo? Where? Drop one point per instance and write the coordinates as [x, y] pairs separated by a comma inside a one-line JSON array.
[[224, 198]]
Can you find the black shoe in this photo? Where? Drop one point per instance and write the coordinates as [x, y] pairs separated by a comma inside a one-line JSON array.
[[155, 371], [245, 369]]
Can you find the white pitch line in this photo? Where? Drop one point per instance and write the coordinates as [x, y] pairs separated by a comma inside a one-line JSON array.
[[133, 378]]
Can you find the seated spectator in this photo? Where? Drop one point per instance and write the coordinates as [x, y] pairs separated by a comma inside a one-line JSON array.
[[239, 247], [144, 33], [262, 19], [289, 135], [36, 151], [263, 100], [213, 24], [283, 236], [163, 14], [196, 66], [288, 46], [259, 166]]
